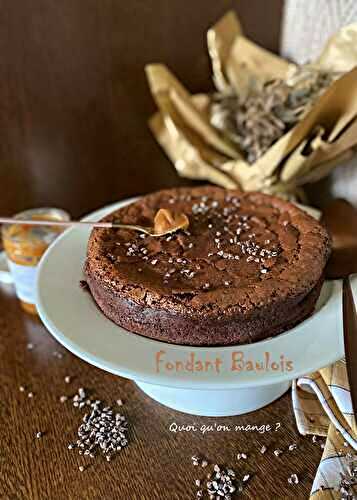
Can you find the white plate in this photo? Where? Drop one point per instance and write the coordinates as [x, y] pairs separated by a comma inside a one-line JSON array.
[[73, 318]]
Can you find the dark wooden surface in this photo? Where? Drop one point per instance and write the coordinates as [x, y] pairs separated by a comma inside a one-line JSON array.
[[73, 111], [157, 463]]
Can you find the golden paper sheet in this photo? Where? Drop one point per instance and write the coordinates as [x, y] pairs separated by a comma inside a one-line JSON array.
[[324, 136]]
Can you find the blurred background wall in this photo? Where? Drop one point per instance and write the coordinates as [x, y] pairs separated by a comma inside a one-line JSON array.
[[74, 102]]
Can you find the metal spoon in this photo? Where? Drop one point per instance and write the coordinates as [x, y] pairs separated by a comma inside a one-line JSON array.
[[165, 222], [340, 217]]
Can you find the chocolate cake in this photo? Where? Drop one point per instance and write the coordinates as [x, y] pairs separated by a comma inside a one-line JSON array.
[[248, 267]]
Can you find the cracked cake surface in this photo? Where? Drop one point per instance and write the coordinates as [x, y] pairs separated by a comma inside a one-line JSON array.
[[248, 267]]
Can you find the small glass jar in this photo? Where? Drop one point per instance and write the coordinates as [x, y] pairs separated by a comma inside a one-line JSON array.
[[24, 246]]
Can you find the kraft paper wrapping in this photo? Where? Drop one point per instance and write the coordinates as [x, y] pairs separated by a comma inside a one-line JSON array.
[[324, 137]]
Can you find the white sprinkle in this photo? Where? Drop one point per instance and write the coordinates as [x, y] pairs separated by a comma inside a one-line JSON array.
[[63, 399], [119, 402], [293, 479], [22, 388], [246, 477], [204, 463], [292, 447], [263, 271], [81, 468], [30, 346], [67, 379], [277, 452], [154, 261], [38, 435], [241, 456], [197, 482], [30, 395], [263, 449]]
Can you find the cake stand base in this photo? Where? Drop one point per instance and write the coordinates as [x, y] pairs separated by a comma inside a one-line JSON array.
[[215, 403]]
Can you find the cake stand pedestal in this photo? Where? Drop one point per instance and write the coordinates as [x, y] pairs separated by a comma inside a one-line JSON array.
[[211, 403]]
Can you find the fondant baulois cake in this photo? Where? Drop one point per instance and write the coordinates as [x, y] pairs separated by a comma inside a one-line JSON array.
[[248, 267]]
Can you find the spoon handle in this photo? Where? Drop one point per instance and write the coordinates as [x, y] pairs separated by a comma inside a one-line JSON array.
[[60, 223], [350, 339]]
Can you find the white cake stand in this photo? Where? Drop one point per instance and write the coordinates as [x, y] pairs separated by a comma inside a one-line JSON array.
[[75, 321]]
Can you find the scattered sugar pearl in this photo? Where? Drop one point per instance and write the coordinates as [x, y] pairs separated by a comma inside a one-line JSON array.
[[293, 479], [263, 449], [277, 452], [67, 379], [241, 456]]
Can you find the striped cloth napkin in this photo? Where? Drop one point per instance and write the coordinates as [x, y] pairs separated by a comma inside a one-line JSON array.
[[323, 407]]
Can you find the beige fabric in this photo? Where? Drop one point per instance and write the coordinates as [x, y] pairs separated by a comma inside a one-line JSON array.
[[322, 406], [307, 25]]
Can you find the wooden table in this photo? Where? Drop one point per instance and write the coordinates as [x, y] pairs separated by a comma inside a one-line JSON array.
[[156, 464]]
